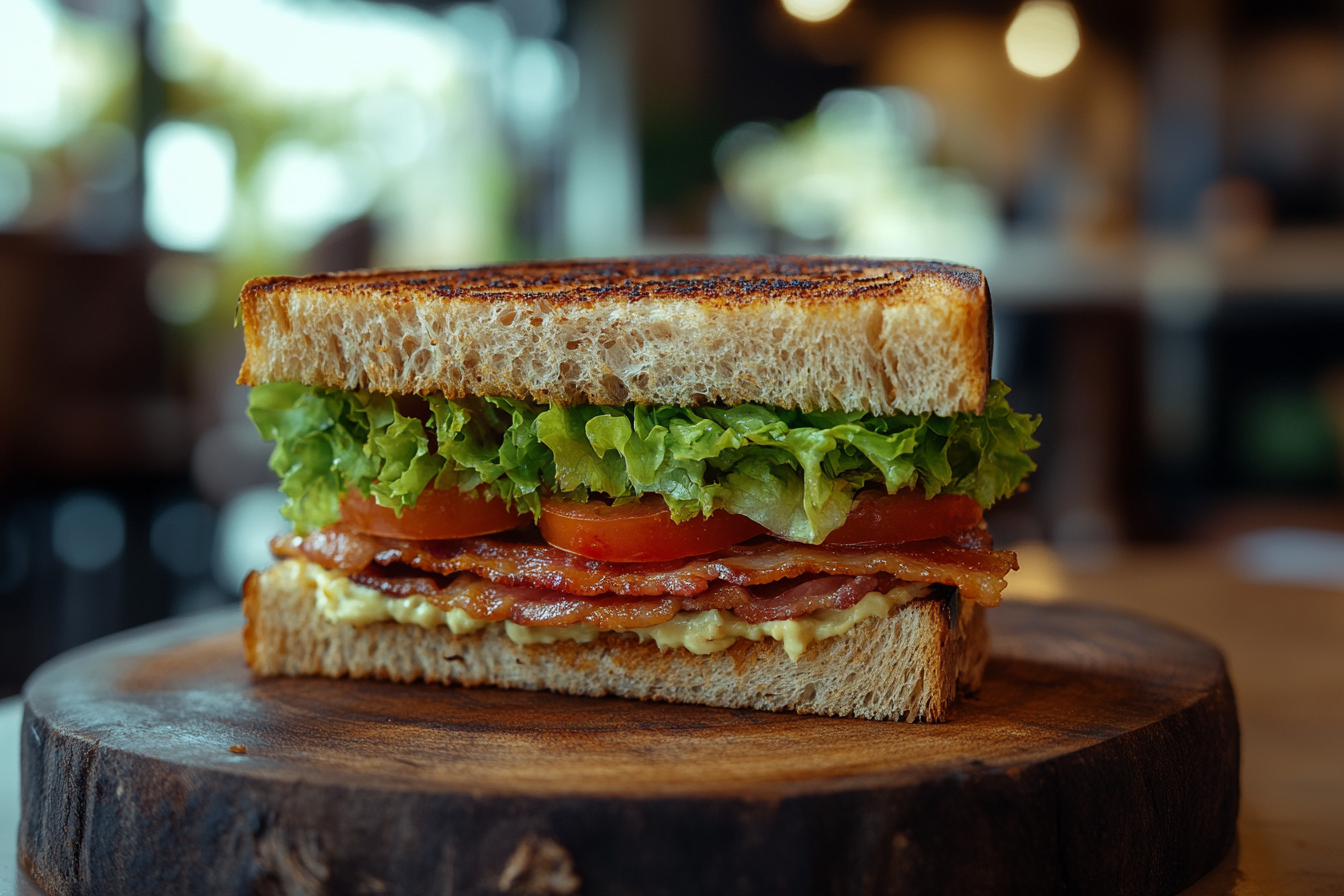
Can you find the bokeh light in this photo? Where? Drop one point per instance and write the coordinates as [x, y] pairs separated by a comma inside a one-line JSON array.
[[68, 68], [855, 178], [250, 46], [189, 174], [814, 10], [88, 531], [247, 523], [543, 83], [1043, 38], [305, 190]]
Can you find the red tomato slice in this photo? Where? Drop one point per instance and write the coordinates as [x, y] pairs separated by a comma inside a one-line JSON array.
[[878, 518], [643, 531], [639, 532], [438, 513]]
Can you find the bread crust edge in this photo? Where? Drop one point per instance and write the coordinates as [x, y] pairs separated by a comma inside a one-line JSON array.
[[605, 342]]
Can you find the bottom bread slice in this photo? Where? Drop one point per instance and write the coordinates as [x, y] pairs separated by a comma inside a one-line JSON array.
[[909, 665]]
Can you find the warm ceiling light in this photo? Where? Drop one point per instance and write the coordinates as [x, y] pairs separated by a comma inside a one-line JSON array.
[[1043, 38], [814, 10]]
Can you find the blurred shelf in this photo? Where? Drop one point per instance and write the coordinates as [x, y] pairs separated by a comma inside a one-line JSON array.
[[1042, 271]]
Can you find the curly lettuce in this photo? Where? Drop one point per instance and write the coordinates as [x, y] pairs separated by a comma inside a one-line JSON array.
[[794, 472], [328, 442]]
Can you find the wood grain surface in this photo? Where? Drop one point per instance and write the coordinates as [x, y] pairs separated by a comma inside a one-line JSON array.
[[1101, 756]]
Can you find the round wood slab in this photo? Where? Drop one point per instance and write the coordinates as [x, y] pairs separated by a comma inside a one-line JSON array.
[[1101, 756]]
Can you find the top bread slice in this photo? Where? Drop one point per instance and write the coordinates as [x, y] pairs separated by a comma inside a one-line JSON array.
[[809, 333]]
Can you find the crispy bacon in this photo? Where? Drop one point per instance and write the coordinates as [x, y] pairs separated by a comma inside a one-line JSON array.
[[399, 580], [718, 596], [482, 599], [827, 592], [977, 573]]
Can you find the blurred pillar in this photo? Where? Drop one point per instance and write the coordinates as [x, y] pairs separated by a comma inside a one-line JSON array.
[[1182, 159], [1093, 435], [150, 96], [1181, 148], [601, 184]]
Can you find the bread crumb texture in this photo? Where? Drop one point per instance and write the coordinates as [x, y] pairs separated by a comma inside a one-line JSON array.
[[797, 332]]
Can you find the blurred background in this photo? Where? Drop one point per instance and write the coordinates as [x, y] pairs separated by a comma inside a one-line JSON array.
[[1155, 190]]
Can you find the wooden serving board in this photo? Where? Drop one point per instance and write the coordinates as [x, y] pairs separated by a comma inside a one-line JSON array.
[[1101, 756]]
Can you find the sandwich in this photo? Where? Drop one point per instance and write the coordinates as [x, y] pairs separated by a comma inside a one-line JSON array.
[[739, 482]]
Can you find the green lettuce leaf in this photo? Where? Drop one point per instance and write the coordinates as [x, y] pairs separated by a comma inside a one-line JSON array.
[[793, 472], [492, 441], [329, 441], [407, 466], [319, 437], [581, 440]]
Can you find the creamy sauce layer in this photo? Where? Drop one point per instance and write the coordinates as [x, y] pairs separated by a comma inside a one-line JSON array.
[[339, 600]]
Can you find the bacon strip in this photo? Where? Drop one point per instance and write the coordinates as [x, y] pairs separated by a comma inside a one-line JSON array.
[[829, 592], [482, 599], [977, 573], [718, 596]]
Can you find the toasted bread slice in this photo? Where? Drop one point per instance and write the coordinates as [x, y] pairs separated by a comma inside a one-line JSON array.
[[808, 333], [910, 665]]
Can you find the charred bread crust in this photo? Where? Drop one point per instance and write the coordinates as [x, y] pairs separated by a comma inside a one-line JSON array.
[[798, 332]]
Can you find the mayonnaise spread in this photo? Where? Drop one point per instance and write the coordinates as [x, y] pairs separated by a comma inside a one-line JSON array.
[[339, 600]]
